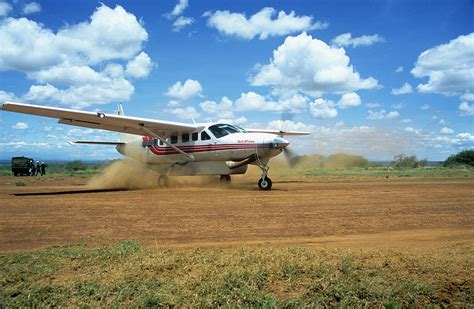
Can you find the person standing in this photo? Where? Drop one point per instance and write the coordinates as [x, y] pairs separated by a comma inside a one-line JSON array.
[[38, 167], [32, 168], [43, 169]]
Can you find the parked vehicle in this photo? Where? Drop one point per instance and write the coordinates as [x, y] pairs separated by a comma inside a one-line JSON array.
[[22, 166]]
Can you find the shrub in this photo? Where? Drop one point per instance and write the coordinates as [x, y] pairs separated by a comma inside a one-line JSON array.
[[465, 157], [76, 165]]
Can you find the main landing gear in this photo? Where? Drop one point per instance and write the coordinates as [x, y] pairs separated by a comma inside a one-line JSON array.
[[225, 178], [264, 183], [163, 181]]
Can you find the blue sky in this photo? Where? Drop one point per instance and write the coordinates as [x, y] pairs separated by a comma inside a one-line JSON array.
[[374, 78]]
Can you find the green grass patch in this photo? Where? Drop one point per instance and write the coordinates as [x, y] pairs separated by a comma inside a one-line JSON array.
[[393, 174], [127, 274]]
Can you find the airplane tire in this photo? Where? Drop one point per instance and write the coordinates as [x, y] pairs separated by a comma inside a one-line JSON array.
[[163, 181], [225, 178], [265, 184]]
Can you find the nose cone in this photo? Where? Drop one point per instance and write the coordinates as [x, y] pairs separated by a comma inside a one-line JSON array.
[[280, 143]]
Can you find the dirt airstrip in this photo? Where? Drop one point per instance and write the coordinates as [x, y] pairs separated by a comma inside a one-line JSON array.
[[358, 213]]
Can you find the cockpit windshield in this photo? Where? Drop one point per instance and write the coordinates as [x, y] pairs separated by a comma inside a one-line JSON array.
[[221, 129], [241, 130]]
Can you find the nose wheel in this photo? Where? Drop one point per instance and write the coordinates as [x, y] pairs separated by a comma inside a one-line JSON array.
[[264, 183]]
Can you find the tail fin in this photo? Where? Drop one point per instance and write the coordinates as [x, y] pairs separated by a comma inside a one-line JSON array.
[[124, 136]]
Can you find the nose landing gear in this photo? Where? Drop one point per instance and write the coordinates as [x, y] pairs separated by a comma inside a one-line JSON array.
[[264, 183]]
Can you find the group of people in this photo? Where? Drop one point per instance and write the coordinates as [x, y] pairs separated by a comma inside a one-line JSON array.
[[37, 169]]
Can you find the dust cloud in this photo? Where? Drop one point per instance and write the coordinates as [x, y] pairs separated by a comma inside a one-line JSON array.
[[125, 173], [131, 174]]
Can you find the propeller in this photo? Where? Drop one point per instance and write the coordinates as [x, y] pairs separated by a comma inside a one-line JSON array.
[[291, 157]]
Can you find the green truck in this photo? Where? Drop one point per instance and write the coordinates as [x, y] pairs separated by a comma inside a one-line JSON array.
[[22, 166]]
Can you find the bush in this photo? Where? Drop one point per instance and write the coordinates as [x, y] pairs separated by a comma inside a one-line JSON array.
[[403, 161], [465, 157], [76, 165]]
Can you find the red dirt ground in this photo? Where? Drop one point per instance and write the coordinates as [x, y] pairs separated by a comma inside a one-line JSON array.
[[300, 210]]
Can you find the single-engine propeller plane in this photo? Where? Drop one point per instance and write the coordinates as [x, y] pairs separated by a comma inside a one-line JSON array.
[[174, 148]]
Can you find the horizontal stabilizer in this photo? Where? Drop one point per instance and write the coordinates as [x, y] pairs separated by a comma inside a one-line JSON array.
[[97, 143]]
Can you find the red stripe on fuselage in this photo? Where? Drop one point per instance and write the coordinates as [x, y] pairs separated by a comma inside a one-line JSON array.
[[203, 148]]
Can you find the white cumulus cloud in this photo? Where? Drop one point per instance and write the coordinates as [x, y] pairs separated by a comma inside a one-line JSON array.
[[406, 88], [448, 67], [5, 8], [222, 109], [446, 130], [412, 130], [179, 8], [399, 69], [110, 34], [20, 126], [425, 107], [235, 121], [295, 103], [350, 99], [7, 96], [346, 39], [310, 65], [322, 109], [382, 114], [185, 91], [466, 109], [182, 22], [261, 24], [139, 67], [31, 8], [74, 66], [187, 113], [467, 96], [254, 101], [288, 125]]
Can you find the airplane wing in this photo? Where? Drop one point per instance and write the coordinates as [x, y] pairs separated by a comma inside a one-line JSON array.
[[103, 121], [97, 143], [278, 132]]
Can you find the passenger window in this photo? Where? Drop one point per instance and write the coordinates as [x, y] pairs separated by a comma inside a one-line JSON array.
[[185, 138], [174, 139], [205, 136], [195, 136], [161, 143]]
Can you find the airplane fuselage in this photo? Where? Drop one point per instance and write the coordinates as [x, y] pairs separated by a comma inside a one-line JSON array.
[[203, 146]]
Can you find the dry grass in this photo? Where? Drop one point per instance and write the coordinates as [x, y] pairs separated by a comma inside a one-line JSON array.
[[127, 274]]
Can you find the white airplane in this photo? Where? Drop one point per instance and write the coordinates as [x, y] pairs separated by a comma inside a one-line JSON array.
[[174, 148]]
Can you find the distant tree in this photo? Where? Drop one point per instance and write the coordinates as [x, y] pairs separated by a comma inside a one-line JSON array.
[[465, 157], [76, 165], [423, 163], [403, 161]]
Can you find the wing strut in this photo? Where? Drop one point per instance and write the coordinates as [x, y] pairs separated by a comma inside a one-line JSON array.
[[187, 155]]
